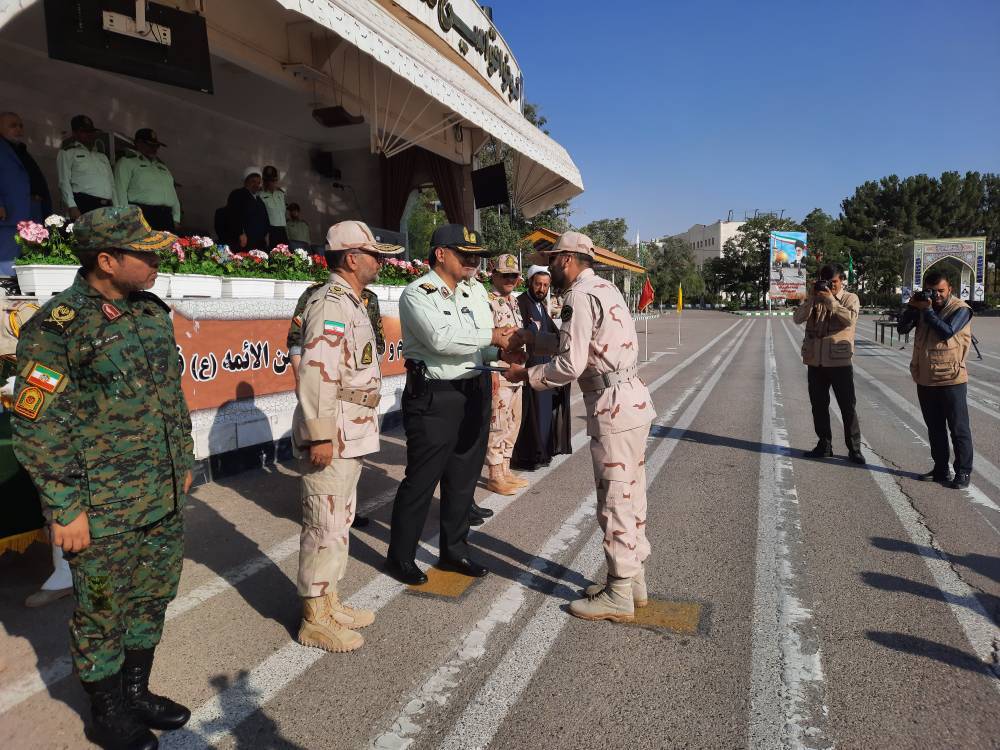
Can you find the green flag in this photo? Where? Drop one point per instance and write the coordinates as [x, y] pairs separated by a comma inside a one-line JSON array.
[[850, 270]]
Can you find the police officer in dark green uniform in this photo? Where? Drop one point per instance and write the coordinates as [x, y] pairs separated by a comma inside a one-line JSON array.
[[101, 425]]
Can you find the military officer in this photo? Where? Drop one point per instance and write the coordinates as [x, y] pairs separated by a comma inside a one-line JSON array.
[[597, 346], [335, 424], [142, 179], [272, 195], [86, 181], [505, 419], [101, 425], [447, 329]]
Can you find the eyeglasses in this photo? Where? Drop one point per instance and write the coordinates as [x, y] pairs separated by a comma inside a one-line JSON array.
[[509, 276]]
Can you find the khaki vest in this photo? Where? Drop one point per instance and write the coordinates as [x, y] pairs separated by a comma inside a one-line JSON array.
[[937, 362], [829, 342]]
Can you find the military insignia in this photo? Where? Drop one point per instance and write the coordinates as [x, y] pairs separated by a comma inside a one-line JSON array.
[[44, 377], [145, 224], [429, 288], [337, 289], [333, 328], [29, 403], [297, 320], [469, 236], [445, 292], [366, 355], [111, 312], [61, 315], [566, 314], [510, 262]]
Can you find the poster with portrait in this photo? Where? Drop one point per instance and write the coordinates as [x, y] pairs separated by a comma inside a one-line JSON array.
[[788, 265]]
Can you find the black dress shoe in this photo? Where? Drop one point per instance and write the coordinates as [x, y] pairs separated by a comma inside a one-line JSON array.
[[481, 512], [359, 521], [405, 572], [960, 482], [942, 477], [823, 449], [475, 520], [856, 457], [463, 565]]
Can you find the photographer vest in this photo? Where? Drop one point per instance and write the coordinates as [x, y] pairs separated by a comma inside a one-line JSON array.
[[937, 362], [829, 338]]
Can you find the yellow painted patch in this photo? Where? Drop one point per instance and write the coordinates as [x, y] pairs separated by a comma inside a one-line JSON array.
[[444, 583], [677, 617]]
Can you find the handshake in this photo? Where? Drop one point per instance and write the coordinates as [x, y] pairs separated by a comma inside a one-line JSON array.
[[513, 343]]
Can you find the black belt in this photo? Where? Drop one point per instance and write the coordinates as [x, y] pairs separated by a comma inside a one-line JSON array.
[[462, 384]]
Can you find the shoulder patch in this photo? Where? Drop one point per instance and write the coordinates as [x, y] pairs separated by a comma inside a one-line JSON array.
[[428, 287], [29, 403], [59, 317], [567, 313], [366, 356], [150, 297]]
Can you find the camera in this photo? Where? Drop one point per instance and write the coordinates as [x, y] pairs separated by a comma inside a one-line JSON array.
[[823, 285], [921, 295]]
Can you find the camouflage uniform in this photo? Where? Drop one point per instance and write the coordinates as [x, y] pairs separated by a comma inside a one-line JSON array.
[[368, 297], [103, 428]]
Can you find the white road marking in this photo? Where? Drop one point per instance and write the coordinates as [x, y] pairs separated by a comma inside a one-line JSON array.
[[437, 686], [485, 713], [218, 716], [901, 362], [787, 692]]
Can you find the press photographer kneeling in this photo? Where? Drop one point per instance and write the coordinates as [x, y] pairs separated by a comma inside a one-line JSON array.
[[831, 315], [940, 348]]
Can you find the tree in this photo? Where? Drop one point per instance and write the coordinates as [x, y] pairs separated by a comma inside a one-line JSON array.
[[426, 215], [672, 264], [746, 257], [611, 234]]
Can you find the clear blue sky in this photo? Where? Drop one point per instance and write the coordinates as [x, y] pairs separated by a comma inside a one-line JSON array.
[[677, 111]]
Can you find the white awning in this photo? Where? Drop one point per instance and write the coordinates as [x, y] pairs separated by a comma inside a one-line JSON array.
[[544, 173]]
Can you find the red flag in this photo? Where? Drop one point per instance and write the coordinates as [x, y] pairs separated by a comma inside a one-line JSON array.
[[646, 298]]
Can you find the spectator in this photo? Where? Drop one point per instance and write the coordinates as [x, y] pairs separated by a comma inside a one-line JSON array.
[[248, 214], [143, 180], [23, 191], [86, 181], [273, 196], [298, 230]]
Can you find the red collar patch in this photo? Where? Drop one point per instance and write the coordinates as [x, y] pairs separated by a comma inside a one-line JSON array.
[[111, 312]]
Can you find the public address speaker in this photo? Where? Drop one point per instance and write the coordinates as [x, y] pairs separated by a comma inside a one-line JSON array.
[[489, 186]]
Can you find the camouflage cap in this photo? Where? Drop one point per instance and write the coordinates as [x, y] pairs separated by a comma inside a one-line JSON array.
[[356, 235], [124, 228], [505, 263], [568, 242]]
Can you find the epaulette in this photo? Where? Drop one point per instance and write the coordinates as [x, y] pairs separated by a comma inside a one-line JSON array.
[[150, 297], [335, 290], [493, 296], [428, 287], [58, 319], [71, 144]]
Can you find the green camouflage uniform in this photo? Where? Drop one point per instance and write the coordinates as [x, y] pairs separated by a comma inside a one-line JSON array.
[[102, 428], [368, 297]]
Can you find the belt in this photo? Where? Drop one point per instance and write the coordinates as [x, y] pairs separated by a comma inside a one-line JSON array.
[[459, 384], [360, 397], [607, 379]]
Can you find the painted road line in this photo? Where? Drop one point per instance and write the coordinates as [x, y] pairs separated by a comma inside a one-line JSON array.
[[481, 719], [787, 688], [218, 716], [437, 686], [972, 493], [902, 361]]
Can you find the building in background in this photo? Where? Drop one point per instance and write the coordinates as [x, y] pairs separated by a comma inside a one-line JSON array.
[[707, 240]]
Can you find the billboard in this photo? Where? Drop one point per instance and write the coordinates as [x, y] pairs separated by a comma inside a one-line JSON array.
[[788, 265]]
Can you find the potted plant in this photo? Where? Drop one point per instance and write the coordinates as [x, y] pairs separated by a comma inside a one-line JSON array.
[[395, 274], [46, 261], [291, 271], [247, 276], [195, 267]]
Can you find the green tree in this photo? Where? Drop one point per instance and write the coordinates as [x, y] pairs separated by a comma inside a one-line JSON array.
[[746, 257], [672, 264], [426, 215], [611, 234]]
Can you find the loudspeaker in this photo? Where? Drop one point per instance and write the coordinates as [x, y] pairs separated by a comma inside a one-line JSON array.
[[322, 164], [489, 186]]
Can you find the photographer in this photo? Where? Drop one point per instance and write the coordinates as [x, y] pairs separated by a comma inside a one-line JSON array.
[[830, 315], [940, 347]]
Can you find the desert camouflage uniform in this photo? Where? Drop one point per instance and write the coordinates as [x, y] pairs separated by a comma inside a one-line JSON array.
[[505, 419], [338, 392], [102, 427], [368, 297], [597, 338]]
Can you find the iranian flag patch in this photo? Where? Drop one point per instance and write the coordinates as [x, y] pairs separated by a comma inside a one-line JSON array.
[[45, 378], [334, 328]]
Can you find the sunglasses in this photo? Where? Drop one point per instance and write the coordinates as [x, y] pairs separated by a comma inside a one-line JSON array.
[[509, 276]]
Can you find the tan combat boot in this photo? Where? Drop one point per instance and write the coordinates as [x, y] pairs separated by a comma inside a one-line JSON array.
[[350, 617], [498, 483], [640, 596], [513, 478], [613, 603], [321, 630]]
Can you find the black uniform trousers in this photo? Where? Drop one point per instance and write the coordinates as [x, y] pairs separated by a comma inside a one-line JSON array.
[[447, 428], [160, 218], [86, 202], [841, 380], [946, 409]]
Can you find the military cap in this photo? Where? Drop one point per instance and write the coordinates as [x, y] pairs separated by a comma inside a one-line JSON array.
[[82, 124], [568, 242], [355, 235], [148, 135], [458, 237], [505, 263], [124, 228]]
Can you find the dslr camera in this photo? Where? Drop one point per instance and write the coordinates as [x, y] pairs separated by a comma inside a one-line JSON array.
[[823, 285], [922, 295]]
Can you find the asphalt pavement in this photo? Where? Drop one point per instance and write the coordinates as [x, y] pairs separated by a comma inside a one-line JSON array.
[[795, 603]]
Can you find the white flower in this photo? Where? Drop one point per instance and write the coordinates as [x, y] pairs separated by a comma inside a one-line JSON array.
[[69, 228], [205, 241], [302, 253], [55, 220]]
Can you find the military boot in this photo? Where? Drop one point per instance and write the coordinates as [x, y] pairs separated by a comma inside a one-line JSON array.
[[113, 725], [640, 597], [614, 603], [321, 629], [513, 478], [349, 617], [498, 483], [155, 711]]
